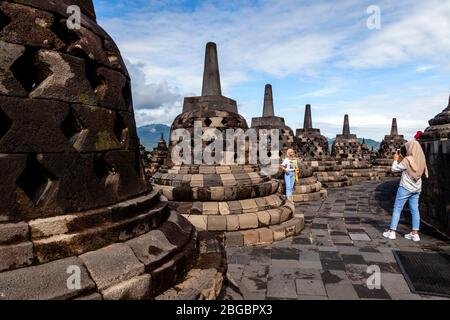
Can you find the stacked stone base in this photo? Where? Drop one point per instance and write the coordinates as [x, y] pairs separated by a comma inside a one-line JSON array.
[[384, 168], [359, 171], [329, 173], [236, 202], [119, 254], [308, 188]]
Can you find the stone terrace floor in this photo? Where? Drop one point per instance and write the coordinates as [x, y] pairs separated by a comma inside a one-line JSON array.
[[329, 259]]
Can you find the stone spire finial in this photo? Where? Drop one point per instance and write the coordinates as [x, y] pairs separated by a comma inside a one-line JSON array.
[[162, 136], [211, 75], [307, 124], [448, 107], [346, 130], [268, 110], [394, 128]]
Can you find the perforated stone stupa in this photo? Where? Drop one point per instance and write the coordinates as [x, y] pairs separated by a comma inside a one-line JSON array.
[[74, 195], [269, 121], [312, 148], [351, 154], [158, 157], [308, 188], [233, 200], [435, 200], [388, 147]]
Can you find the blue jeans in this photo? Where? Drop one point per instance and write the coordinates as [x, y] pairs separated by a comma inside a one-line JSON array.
[[403, 195], [289, 180]]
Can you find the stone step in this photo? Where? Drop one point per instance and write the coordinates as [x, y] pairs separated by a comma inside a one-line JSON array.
[[309, 197], [223, 193], [229, 207], [247, 221], [205, 280], [264, 236], [141, 268]]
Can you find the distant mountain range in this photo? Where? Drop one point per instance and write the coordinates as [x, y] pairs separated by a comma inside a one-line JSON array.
[[370, 143], [150, 135]]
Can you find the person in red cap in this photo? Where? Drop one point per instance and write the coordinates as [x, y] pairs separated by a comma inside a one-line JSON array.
[[418, 135]]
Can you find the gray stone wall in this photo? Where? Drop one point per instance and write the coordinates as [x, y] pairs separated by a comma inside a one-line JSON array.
[[435, 200]]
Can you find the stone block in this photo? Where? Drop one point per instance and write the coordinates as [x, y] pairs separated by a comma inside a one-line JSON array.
[[134, 289], [151, 247], [248, 221], [275, 216], [232, 223], [210, 208], [198, 221], [263, 218], [251, 237], [265, 236], [16, 256], [217, 223], [217, 193], [44, 282], [13, 232], [234, 239], [224, 209], [111, 265], [8, 83]]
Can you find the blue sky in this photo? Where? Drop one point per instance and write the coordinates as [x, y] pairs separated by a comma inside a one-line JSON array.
[[312, 52]]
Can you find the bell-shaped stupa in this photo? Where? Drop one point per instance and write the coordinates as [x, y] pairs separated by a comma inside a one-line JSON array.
[[391, 143], [352, 155], [75, 201], [229, 196], [435, 200], [313, 149]]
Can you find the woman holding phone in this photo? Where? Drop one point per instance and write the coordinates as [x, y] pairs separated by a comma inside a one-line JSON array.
[[412, 164]]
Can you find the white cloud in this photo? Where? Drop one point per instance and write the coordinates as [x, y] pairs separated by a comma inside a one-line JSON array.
[[419, 31], [320, 93]]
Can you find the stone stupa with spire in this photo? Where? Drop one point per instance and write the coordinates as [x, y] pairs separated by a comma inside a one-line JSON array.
[[158, 157], [352, 155], [230, 197], [391, 143], [308, 188], [435, 200], [269, 121], [312, 148]]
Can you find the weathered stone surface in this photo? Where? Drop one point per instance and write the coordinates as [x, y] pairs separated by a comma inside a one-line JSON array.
[[10, 53], [29, 26], [66, 81], [248, 221], [137, 288], [44, 282], [13, 233], [111, 265], [16, 255], [151, 247]]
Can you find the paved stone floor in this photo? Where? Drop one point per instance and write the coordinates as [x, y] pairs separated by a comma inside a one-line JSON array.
[[329, 260]]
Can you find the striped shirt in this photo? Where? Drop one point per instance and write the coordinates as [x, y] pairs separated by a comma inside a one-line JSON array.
[[407, 181]]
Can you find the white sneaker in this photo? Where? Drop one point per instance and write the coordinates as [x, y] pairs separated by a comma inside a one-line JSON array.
[[391, 235], [413, 237]]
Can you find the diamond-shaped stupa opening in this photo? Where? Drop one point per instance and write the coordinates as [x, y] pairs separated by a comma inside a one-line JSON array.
[[4, 20], [29, 71], [120, 128], [72, 126], [35, 180], [5, 123], [102, 168]]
